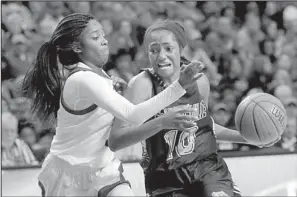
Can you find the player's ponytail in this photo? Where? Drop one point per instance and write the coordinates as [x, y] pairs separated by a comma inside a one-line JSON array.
[[43, 80]]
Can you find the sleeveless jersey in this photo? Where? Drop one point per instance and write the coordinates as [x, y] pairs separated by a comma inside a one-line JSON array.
[[170, 149]]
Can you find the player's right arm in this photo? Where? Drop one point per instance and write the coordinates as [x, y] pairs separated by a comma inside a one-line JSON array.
[[98, 91], [124, 134]]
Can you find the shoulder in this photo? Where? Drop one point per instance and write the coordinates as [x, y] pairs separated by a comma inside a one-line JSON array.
[[139, 88], [86, 78], [203, 85], [141, 80]]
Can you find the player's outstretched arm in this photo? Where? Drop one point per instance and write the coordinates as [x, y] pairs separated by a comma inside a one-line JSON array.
[[124, 134], [228, 135], [98, 91], [222, 133]]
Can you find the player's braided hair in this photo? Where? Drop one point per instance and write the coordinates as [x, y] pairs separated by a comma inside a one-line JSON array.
[[44, 79]]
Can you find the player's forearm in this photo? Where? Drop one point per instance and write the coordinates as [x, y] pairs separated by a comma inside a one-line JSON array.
[[129, 135], [228, 135]]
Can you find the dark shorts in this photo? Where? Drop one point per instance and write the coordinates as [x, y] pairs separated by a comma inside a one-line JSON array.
[[209, 177], [103, 192]]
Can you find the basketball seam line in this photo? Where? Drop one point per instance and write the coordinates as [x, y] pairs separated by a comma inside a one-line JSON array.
[[268, 116], [243, 115], [246, 109], [253, 114]]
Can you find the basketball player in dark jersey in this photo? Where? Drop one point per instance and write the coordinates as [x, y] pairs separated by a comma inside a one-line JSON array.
[[179, 163]]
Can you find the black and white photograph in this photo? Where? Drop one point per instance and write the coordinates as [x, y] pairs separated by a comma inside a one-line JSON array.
[[148, 98]]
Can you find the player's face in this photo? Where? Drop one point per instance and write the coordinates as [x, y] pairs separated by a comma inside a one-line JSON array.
[[93, 47], [164, 53]]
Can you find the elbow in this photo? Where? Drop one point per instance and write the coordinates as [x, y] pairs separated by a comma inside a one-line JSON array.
[[114, 144]]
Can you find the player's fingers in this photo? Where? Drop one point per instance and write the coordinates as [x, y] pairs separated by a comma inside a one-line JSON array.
[[197, 76], [191, 130], [187, 117], [195, 66], [183, 109], [183, 124], [186, 110]]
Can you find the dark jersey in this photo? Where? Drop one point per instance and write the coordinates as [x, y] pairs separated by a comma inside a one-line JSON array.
[[170, 149]]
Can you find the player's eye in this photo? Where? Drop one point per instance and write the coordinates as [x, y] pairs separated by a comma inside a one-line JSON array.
[[169, 49], [153, 51]]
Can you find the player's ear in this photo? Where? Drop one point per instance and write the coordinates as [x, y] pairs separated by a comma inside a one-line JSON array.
[[77, 47]]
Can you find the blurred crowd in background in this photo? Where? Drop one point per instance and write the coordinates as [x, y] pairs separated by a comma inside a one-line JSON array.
[[247, 47]]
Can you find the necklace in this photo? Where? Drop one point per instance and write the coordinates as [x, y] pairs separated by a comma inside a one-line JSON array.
[[161, 82], [158, 78]]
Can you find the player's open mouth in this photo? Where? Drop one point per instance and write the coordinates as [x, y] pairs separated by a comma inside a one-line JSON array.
[[164, 65]]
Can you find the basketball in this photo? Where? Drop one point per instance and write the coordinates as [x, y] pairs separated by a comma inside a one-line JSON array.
[[261, 119]]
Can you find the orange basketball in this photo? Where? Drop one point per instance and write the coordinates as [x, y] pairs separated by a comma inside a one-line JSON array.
[[261, 119]]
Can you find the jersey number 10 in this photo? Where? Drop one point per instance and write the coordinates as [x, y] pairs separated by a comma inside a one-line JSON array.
[[185, 144]]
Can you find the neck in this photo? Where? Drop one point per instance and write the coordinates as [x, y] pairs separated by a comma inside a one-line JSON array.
[[91, 65], [169, 80], [97, 69]]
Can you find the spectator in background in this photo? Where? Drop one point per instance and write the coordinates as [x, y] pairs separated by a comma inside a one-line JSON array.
[[280, 77], [21, 107], [141, 60], [42, 147], [79, 6], [229, 11], [222, 115], [271, 8], [123, 65], [53, 15], [15, 152], [267, 47], [284, 62], [250, 34], [261, 74], [122, 39], [290, 103], [290, 24], [27, 132], [4, 105], [17, 18], [17, 56], [107, 26], [37, 9], [289, 137], [282, 92]]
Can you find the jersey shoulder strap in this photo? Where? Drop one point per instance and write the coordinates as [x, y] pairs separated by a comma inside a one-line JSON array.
[[64, 104], [150, 71]]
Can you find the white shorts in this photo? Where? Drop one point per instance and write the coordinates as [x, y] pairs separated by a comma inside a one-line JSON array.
[[59, 178]]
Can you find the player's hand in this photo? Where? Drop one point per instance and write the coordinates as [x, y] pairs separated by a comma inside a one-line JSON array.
[[180, 118], [190, 74], [270, 144], [119, 84]]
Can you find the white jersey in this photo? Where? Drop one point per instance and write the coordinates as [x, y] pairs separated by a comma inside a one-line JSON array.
[[79, 158]]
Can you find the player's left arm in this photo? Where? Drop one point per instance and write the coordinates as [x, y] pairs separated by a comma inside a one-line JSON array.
[[222, 133]]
